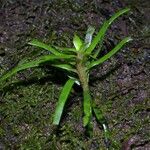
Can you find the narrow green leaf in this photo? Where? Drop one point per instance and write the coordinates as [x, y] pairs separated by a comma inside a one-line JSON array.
[[98, 50], [111, 53], [77, 42], [65, 67], [88, 37], [62, 101], [32, 64], [37, 43], [98, 114], [64, 49], [99, 37], [102, 121], [87, 108]]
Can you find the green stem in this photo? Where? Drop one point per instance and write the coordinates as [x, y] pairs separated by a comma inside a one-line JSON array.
[[83, 76], [81, 70]]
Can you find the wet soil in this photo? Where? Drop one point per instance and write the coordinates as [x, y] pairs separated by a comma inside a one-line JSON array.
[[120, 86]]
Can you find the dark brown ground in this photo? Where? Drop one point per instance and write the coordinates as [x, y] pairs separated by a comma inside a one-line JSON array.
[[120, 86]]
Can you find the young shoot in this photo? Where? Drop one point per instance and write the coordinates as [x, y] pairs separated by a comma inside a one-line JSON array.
[[77, 62]]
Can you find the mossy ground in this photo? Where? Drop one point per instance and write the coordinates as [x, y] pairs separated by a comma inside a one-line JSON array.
[[120, 86]]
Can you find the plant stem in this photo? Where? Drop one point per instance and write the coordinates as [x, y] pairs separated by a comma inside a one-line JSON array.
[[81, 70], [83, 77]]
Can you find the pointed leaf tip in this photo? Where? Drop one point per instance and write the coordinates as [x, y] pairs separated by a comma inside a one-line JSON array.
[[88, 37], [102, 31], [77, 42], [40, 44]]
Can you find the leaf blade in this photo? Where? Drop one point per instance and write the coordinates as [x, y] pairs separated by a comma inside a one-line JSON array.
[[77, 42], [62, 101], [98, 114], [65, 67], [37, 43], [65, 49], [88, 37], [99, 37], [111, 53], [102, 120], [32, 64]]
